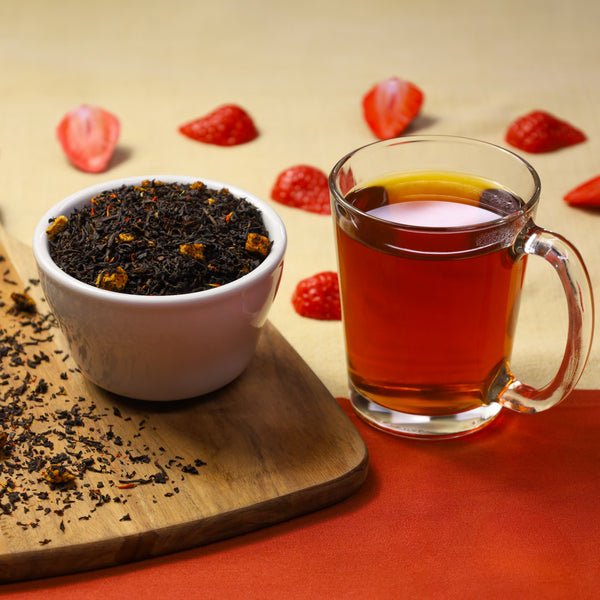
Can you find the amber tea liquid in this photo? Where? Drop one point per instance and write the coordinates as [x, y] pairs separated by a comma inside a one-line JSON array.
[[429, 314]]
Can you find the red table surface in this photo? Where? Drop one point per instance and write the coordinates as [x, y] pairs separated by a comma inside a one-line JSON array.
[[510, 512]]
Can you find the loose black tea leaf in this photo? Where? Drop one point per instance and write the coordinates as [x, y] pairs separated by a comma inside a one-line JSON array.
[[160, 239]]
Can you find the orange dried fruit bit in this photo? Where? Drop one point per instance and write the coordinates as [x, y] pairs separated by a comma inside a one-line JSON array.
[[197, 185], [56, 226], [23, 302], [58, 475], [126, 237], [114, 281], [257, 243], [195, 251]]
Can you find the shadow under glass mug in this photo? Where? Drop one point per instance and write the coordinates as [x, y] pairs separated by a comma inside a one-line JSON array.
[[433, 235]]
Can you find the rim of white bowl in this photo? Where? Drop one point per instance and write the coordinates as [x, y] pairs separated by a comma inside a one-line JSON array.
[[272, 221]]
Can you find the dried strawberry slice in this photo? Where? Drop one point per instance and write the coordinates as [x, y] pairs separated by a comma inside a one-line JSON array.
[[303, 186], [227, 125], [318, 297], [585, 195], [539, 131], [390, 106], [88, 136]]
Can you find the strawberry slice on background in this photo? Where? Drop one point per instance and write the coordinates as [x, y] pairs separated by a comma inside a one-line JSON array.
[[540, 131], [88, 136], [304, 187], [318, 297], [390, 105], [227, 125], [586, 195]]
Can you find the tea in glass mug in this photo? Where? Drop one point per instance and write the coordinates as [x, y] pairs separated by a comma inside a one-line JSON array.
[[433, 235]]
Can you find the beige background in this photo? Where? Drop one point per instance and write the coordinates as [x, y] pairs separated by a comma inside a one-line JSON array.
[[301, 70]]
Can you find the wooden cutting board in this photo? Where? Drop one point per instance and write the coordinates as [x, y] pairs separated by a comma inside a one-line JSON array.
[[152, 478]]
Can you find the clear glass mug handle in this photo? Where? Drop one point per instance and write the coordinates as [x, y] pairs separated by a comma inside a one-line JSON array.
[[569, 266]]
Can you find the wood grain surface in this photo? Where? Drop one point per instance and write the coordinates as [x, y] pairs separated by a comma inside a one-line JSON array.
[[152, 478]]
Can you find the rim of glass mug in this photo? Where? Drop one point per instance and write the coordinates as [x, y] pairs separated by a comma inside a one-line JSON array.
[[342, 181]]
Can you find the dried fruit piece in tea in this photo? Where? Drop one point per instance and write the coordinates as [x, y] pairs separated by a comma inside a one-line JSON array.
[[257, 243], [23, 302], [56, 226], [59, 475], [114, 280], [194, 250]]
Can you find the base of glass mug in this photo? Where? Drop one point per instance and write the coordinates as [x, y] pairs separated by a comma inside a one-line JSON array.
[[422, 427]]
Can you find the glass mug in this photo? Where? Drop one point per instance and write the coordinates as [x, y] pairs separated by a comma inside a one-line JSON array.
[[433, 234]]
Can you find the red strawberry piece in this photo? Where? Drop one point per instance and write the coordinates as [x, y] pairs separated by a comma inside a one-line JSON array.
[[390, 105], [318, 297], [539, 131], [227, 125], [88, 136], [586, 195], [304, 187]]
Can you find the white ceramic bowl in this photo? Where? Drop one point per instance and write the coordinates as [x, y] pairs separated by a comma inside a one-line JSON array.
[[161, 347]]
